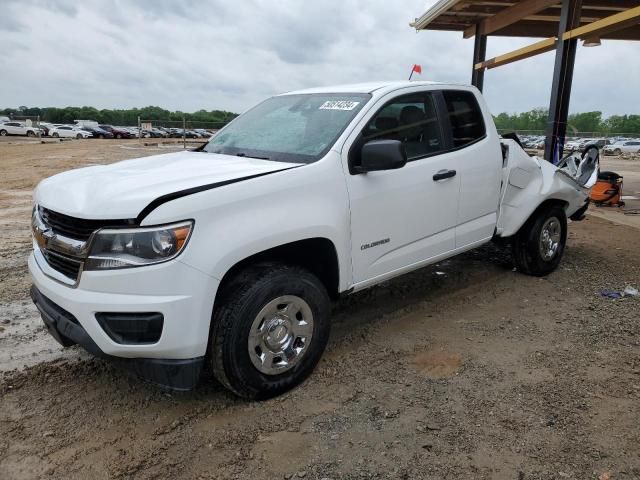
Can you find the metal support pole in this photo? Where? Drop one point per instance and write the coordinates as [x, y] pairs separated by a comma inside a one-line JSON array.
[[562, 80], [38, 126], [139, 130], [479, 53], [184, 133]]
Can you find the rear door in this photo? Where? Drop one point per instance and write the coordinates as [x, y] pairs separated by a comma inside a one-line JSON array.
[[402, 218], [476, 152]]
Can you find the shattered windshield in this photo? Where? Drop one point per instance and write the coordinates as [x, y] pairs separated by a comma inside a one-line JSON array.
[[289, 128]]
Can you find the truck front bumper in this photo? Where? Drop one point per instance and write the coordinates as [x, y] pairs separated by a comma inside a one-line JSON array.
[[182, 295]]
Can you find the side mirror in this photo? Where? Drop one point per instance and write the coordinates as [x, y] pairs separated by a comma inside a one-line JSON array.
[[382, 155]]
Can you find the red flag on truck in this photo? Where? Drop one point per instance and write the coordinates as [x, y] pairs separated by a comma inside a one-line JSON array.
[[416, 68]]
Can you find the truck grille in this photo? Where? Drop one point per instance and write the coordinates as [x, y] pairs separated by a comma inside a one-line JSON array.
[[76, 228], [65, 249], [69, 267]]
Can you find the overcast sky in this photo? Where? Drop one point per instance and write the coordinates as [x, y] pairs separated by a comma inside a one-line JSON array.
[[221, 54]]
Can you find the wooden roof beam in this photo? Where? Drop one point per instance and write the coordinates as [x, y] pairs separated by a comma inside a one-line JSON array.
[[609, 24], [509, 16], [537, 48]]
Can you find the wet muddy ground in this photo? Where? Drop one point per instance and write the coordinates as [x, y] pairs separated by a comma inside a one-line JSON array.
[[461, 370]]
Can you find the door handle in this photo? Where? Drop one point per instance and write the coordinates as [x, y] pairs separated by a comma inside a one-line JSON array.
[[443, 174]]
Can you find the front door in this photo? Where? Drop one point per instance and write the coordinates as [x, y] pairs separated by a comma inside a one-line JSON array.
[[402, 218]]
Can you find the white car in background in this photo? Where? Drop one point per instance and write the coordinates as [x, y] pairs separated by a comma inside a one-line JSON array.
[[68, 131], [573, 145], [623, 146], [17, 128]]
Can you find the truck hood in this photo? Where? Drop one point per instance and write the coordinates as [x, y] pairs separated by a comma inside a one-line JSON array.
[[122, 190]]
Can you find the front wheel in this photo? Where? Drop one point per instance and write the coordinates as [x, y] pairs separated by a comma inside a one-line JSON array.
[[31, 133], [3, 133], [55, 135], [269, 331], [539, 244], [79, 136], [617, 151]]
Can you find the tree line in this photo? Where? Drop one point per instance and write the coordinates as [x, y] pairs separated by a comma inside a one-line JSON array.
[[119, 117], [588, 122]]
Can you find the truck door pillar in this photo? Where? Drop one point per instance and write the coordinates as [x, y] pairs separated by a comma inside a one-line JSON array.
[[562, 80], [479, 53]]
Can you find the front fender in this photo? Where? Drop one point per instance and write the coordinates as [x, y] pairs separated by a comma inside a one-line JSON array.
[[239, 220]]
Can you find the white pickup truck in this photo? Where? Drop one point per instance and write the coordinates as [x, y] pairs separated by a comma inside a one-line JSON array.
[[231, 254]]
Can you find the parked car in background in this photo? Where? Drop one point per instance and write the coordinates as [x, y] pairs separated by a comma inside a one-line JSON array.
[[45, 128], [17, 128], [534, 142], [97, 132], [157, 132], [117, 132], [598, 142], [151, 133], [68, 131], [624, 146], [573, 144]]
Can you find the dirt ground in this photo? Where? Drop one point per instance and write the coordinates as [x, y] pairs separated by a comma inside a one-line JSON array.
[[466, 369]]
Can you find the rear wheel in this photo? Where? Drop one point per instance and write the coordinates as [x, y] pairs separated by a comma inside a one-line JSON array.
[[102, 136], [55, 134], [539, 245], [269, 331], [31, 133], [3, 133]]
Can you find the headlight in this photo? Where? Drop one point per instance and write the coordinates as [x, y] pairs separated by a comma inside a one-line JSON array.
[[136, 247]]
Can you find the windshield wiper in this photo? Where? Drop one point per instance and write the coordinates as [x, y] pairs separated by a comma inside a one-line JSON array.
[[242, 154]]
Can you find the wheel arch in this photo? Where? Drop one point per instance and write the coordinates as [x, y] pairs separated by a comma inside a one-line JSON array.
[[317, 254], [547, 203]]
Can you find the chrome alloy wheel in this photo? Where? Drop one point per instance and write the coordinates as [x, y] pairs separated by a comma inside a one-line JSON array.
[[280, 334], [550, 235]]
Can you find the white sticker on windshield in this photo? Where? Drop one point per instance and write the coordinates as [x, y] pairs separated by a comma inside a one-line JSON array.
[[338, 105]]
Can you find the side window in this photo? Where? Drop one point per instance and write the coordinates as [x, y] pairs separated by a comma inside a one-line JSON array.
[[412, 119], [465, 117]]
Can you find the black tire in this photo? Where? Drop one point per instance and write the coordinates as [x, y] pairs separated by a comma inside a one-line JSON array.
[[30, 133], [118, 136], [617, 151], [3, 133], [527, 253], [102, 137], [240, 303], [55, 134], [79, 136]]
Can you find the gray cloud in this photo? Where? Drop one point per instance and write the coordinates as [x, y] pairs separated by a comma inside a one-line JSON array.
[[189, 55]]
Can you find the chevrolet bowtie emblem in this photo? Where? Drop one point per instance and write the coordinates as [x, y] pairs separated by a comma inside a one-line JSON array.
[[43, 236]]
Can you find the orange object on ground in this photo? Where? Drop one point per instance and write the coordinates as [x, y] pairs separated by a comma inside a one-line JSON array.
[[607, 190]]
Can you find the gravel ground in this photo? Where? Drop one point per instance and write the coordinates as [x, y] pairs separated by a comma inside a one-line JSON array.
[[461, 370]]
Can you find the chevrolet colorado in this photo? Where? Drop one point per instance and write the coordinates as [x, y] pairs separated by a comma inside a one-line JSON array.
[[230, 255]]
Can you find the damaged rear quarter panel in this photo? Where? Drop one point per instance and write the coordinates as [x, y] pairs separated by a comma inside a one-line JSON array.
[[527, 183]]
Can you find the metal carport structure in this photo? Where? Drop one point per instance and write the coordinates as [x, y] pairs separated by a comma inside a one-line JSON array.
[[561, 23]]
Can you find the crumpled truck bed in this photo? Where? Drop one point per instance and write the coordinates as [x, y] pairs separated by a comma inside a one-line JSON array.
[[529, 181]]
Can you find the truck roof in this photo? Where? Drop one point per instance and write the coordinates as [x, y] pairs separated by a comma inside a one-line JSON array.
[[370, 87]]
